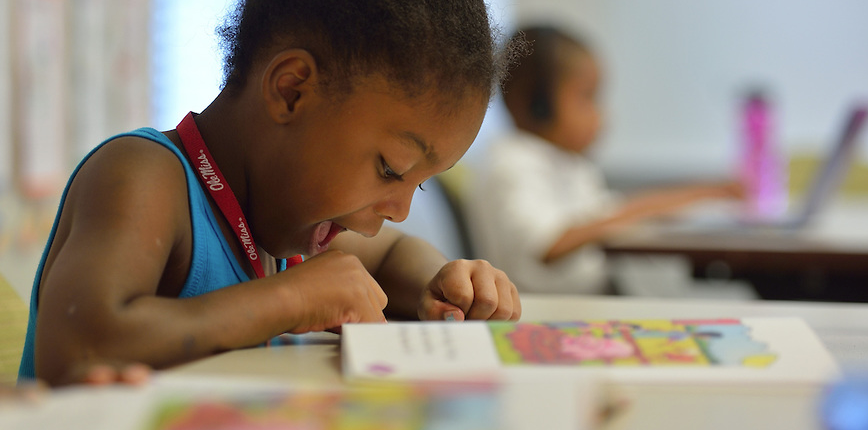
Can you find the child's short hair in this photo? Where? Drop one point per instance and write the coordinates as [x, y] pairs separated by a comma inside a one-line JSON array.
[[528, 93], [418, 44]]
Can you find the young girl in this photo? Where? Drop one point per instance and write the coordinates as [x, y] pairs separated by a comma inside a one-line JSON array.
[[540, 206], [331, 116]]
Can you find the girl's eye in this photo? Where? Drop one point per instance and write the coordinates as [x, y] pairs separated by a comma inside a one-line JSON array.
[[388, 173]]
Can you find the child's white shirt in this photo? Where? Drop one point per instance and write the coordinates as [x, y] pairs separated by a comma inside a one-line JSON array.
[[524, 195]]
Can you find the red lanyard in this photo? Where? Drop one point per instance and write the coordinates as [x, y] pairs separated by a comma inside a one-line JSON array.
[[213, 180]]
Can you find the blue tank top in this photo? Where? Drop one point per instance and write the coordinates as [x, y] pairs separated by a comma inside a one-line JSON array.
[[213, 265]]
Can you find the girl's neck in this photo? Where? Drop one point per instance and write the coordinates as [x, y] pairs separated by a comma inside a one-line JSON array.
[[222, 130]]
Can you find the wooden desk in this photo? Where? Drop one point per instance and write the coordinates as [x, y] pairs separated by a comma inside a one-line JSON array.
[[827, 261], [842, 327]]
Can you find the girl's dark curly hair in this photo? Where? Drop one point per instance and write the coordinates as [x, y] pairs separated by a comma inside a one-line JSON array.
[[447, 45]]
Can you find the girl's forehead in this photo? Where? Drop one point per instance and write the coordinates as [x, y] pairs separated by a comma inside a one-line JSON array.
[[453, 102], [453, 126], [430, 114]]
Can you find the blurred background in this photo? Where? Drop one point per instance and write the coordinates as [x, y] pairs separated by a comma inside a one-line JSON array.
[[74, 72]]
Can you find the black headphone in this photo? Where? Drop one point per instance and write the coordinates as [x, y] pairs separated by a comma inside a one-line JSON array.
[[541, 105]]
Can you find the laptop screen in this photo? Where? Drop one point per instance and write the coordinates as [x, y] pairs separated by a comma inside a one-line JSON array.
[[836, 165]]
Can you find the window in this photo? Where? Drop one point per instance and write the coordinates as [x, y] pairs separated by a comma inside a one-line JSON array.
[[186, 59]]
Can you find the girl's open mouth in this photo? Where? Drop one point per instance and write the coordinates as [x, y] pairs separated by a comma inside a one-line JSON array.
[[323, 234]]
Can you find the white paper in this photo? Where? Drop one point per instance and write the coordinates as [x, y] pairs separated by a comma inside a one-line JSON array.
[[415, 350]]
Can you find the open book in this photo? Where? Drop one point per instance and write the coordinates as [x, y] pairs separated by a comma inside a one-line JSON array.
[[709, 350]]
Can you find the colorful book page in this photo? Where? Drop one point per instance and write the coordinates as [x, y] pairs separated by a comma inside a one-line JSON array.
[[718, 342], [382, 406], [637, 351]]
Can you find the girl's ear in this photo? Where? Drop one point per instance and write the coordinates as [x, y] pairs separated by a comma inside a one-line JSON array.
[[288, 83]]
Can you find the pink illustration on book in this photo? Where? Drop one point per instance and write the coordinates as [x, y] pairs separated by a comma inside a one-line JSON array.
[[381, 369], [721, 342], [588, 347]]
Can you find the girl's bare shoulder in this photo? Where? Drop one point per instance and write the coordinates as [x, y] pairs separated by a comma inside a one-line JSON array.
[[133, 162], [128, 178]]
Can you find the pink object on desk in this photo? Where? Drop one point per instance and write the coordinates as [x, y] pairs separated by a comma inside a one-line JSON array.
[[762, 171]]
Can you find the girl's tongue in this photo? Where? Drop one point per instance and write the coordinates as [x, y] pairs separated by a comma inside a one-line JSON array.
[[323, 234]]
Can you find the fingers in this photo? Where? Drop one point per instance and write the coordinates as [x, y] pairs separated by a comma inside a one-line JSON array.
[[486, 298], [135, 374], [381, 299], [454, 286], [28, 392], [105, 373], [100, 374], [495, 298], [454, 315], [335, 288], [378, 301], [437, 309], [516, 305], [476, 288]]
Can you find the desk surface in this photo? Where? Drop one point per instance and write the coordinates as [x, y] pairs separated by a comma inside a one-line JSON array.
[[842, 327], [824, 261], [843, 228]]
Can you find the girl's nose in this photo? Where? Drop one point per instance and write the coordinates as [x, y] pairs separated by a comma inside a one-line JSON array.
[[396, 207]]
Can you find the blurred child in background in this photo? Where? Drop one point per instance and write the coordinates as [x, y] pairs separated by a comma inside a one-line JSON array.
[[539, 207]]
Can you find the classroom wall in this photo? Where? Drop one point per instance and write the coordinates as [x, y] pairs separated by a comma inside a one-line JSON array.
[[71, 75], [675, 70]]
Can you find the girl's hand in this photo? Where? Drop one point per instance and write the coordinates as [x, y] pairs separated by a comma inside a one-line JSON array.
[[470, 289], [107, 372], [88, 372], [331, 289]]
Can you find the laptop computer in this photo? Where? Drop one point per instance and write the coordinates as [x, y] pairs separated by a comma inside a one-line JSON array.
[[833, 171], [822, 188]]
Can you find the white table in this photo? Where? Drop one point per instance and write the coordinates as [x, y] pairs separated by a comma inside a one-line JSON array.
[[842, 327]]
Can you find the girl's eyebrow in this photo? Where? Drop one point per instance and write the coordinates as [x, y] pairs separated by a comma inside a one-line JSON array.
[[413, 139]]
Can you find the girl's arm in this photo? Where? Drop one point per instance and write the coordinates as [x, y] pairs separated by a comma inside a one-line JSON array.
[[421, 283]]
